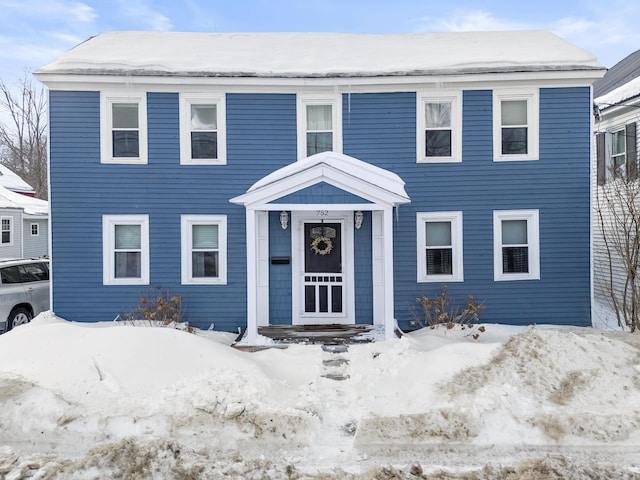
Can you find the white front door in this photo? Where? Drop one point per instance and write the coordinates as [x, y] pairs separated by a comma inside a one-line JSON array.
[[323, 268]]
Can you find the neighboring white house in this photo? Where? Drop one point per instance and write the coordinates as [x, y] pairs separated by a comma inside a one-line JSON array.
[[24, 219], [617, 113]]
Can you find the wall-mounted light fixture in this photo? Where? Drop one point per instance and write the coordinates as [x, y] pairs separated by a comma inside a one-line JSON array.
[[358, 218], [284, 219]]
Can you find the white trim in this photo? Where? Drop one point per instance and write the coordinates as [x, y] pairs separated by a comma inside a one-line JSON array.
[[11, 231], [298, 219], [532, 97], [439, 96], [302, 101], [533, 243], [107, 99], [455, 219], [186, 100], [187, 222], [37, 225], [108, 246]]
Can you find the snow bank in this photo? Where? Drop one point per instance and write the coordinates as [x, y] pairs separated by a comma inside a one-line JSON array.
[[109, 400]]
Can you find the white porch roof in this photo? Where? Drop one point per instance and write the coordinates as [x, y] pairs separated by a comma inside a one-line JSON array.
[[367, 181]]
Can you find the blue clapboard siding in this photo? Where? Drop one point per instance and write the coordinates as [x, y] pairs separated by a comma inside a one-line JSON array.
[[363, 250], [261, 137], [380, 128], [280, 276], [321, 193]]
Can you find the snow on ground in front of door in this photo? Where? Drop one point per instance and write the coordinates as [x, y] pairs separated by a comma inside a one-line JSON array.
[[105, 400]]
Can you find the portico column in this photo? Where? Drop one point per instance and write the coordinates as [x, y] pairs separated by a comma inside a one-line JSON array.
[[252, 291], [389, 317]]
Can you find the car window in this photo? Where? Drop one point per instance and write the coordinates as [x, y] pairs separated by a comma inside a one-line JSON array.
[[10, 275], [34, 272]]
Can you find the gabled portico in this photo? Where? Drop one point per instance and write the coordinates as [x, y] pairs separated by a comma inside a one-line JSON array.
[[322, 238]]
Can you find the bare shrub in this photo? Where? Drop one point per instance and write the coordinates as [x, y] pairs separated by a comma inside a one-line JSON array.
[[442, 310], [158, 310]]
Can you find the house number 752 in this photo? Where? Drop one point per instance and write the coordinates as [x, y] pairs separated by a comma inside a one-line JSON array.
[[322, 213]]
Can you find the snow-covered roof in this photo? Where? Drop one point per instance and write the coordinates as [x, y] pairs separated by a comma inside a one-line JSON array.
[[302, 55], [30, 205], [13, 182], [623, 93], [353, 175]]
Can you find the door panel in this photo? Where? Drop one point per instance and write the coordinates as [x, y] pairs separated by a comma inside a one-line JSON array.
[[323, 279]]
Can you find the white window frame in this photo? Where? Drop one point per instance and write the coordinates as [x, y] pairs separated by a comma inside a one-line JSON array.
[[455, 98], [107, 99], [108, 248], [37, 229], [188, 99], [10, 242], [533, 243], [302, 101], [455, 218], [187, 221], [532, 97]]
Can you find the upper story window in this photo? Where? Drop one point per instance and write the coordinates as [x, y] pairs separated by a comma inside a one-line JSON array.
[[516, 245], [439, 124], [616, 153], [123, 128], [439, 240], [7, 231], [125, 248], [515, 125], [319, 125], [202, 129], [204, 249]]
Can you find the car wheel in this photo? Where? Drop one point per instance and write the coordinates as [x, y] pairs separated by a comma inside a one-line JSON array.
[[18, 316]]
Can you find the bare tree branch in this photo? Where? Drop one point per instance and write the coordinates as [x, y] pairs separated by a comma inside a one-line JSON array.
[[23, 137]]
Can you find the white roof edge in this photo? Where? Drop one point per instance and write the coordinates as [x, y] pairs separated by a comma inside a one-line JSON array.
[[628, 91]]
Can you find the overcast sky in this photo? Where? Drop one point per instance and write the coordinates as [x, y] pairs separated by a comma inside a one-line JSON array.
[[35, 32]]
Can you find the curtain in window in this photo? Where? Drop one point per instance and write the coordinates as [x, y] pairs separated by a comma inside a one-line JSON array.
[[125, 134], [515, 250], [319, 118], [128, 254], [204, 256], [514, 127], [438, 115], [439, 254]]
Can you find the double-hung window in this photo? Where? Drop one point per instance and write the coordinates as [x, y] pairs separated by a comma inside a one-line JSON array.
[[516, 245], [439, 240], [123, 127], [616, 153], [7, 231], [202, 129], [515, 125], [35, 230], [439, 134], [125, 246], [319, 128], [204, 249]]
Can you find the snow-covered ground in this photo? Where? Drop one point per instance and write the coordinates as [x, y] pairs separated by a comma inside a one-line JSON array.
[[106, 400]]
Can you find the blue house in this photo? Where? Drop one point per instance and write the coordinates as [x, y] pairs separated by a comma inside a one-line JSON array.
[[307, 178]]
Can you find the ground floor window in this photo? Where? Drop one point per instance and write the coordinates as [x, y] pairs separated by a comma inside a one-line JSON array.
[[204, 256], [125, 244], [439, 240], [7, 231], [516, 245]]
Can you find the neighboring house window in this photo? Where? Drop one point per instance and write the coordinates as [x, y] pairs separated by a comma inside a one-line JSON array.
[[516, 245], [204, 249], [616, 154], [125, 244], [515, 125], [439, 240], [202, 129], [35, 230], [123, 127], [439, 125], [7, 231], [319, 125]]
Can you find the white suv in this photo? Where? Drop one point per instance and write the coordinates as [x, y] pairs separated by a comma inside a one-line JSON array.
[[24, 291]]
